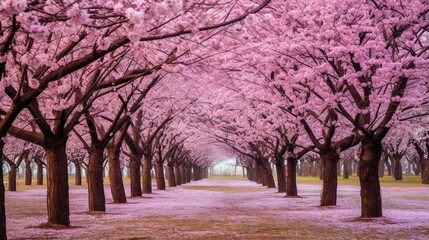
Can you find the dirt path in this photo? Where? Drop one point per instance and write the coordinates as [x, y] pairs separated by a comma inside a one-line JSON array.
[[224, 209]]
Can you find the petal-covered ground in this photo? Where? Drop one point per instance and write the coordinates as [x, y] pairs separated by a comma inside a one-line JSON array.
[[225, 209]]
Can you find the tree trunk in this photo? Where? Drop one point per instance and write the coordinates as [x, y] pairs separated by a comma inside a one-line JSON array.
[[397, 173], [291, 189], [177, 174], [369, 181], [183, 174], [346, 170], [281, 175], [425, 172], [115, 176], [417, 169], [135, 183], [97, 201], [160, 181], [170, 175], [78, 174], [249, 173], [258, 174], [58, 184], [381, 169], [389, 167], [188, 173], [195, 176], [28, 172], [2, 196], [329, 158], [268, 175], [12, 178], [39, 174], [147, 178]]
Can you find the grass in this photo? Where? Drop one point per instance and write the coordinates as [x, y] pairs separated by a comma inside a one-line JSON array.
[[228, 177], [225, 189], [386, 181]]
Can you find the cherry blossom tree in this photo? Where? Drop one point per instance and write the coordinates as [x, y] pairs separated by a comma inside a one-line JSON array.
[[52, 27]]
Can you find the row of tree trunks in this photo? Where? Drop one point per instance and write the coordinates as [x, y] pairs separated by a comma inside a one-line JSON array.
[[262, 174]]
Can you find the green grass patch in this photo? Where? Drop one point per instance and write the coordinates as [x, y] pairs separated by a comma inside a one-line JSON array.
[[226, 189], [386, 181], [228, 177]]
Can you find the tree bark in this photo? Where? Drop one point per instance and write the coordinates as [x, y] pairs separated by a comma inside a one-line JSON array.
[[281, 175], [135, 183], [147, 179], [397, 173], [329, 158], [39, 174], [381, 168], [195, 173], [160, 180], [425, 172], [291, 189], [258, 174], [368, 177], [188, 173], [388, 165], [28, 172], [115, 176], [183, 173], [177, 174], [97, 201], [170, 175], [268, 175], [78, 174], [57, 183], [12, 178], [249, 174], [346, 169]]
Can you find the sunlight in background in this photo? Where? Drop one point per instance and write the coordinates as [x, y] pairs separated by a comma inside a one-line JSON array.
[[227, 167]]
